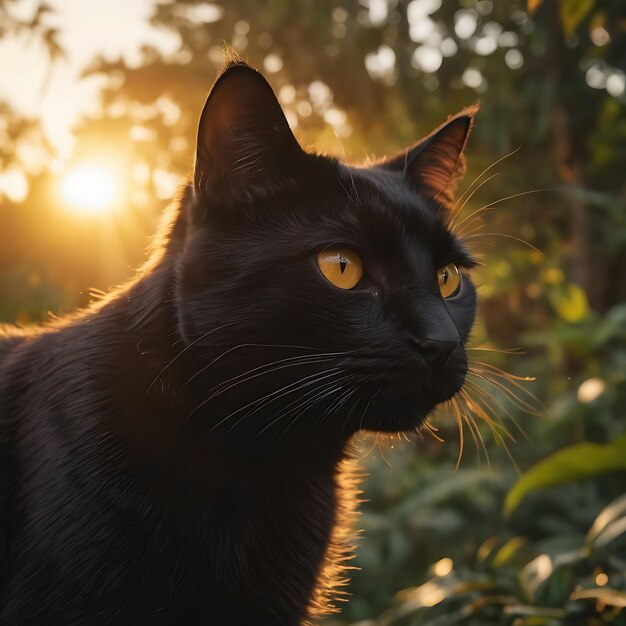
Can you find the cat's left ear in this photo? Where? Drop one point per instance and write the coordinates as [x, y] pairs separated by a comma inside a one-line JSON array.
[[436, 164]]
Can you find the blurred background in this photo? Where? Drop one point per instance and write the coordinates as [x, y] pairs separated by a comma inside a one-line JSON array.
[[98, 109]]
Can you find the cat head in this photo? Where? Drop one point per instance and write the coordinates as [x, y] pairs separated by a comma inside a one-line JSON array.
[[316, 296]]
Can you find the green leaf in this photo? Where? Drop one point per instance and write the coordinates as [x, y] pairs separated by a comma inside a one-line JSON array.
[[578, 462], [608, 596], [508, 551], [573, 12], [610, 524], [570, 302]]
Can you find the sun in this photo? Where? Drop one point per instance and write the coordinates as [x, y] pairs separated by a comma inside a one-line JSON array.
[[89, 190]]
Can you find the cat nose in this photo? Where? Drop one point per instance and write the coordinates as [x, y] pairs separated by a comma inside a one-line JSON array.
[[436, 352]]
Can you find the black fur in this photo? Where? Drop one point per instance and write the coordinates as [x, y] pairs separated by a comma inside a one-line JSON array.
[[178, 453]]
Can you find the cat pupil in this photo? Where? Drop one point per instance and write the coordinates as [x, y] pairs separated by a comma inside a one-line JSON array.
[[445, 276], [342, 264]]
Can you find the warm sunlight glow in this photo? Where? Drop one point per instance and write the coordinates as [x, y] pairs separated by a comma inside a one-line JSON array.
[[89, 190]]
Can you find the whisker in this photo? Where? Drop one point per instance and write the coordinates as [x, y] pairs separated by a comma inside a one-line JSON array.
[[348, 415], [504, 199], [489, 167], [495, 426], [189, 345], [457, 416], [433, 431], [476, 217], [526, 243], [338, 404], [282, 390], [245, 345], [315, 393], [382, 454], [457, 212], [487, 398], [298, 402], [507, 375], [482, 392], [531, 404], [471, 425], [511, 458], [303, 403], [245, 415], [466, 231], [329, 412], [499, 431], [471, 421], [368, 406], [243, 378], [362, 438], [502, 442], [497, 350], [511, 395]]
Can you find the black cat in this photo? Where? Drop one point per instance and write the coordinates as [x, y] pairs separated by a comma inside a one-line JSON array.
[[178, 453]]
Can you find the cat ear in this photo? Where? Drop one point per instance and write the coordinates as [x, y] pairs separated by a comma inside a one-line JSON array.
[[436, 164], [243, 136]]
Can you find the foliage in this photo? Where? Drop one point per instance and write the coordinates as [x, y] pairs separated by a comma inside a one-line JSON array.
[[572, 579], [555, 587]]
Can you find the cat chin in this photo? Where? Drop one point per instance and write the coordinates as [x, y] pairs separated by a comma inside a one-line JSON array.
[[394, 412], [395, 422], [392, 417], [394, 425]]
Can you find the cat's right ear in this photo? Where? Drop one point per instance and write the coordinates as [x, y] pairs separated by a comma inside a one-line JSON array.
[[244, 140]]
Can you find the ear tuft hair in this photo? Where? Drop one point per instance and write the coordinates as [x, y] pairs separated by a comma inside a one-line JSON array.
[[231, 58]]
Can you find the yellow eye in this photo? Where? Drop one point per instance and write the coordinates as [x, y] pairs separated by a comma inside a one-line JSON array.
[[449, 279], [342, 267]]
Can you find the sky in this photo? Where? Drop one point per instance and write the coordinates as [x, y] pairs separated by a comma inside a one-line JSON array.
[[112, 28]]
